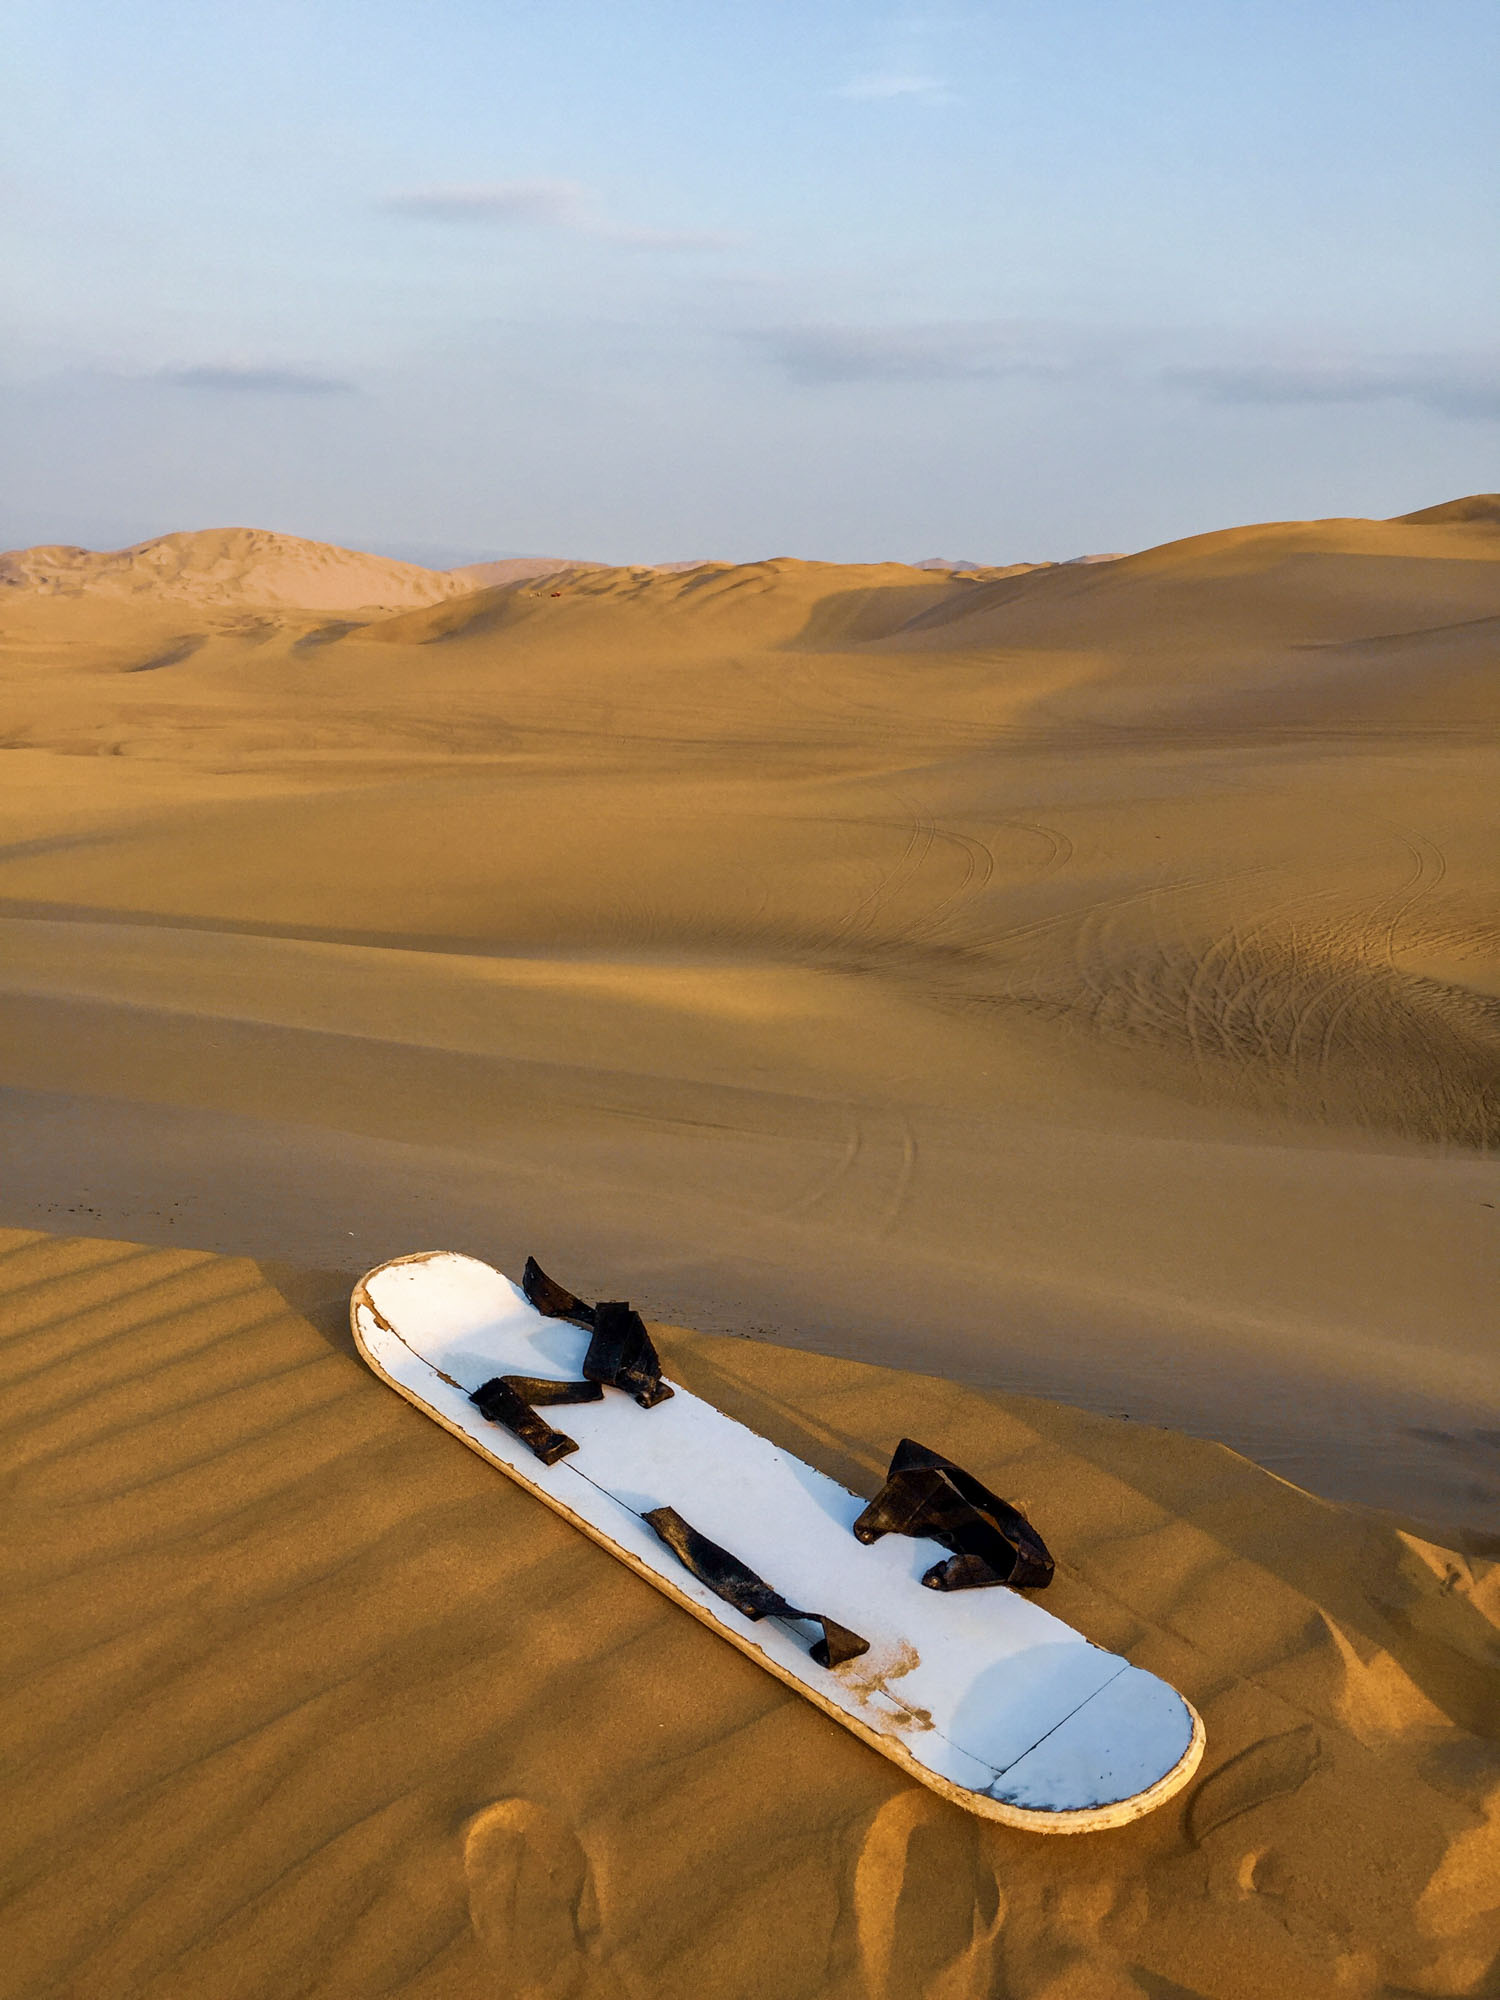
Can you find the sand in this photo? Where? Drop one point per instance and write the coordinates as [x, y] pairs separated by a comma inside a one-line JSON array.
[[514, 569], [229, 568], [1079, 984], [301, 1698]]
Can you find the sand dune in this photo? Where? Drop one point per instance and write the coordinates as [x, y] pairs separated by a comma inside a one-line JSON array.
[[774, 603], [1081, 983], [1116, 947], [305, 1699], [513, 569], [1473, 507], [231, 566]]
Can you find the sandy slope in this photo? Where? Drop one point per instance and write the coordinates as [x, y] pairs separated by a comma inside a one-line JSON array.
[[1085, 979], [300, 1698], [1083, 982]]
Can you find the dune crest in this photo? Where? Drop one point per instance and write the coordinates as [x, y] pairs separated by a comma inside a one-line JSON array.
[[702, 605], [1483, 507], [514, 569]]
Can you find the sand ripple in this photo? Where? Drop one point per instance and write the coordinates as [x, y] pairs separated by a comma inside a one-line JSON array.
[[302, 1699]]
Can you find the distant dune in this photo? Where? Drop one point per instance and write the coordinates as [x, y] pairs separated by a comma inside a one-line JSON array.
[[513, 569], [780, 601], [959, 566], [230, 566]]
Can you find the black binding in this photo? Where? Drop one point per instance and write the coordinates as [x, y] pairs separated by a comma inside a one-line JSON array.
[[509, 1400], [928, 1496], [747, 1592], [621, 1353], [551, 1299]]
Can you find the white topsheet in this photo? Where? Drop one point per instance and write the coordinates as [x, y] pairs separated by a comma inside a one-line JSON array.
[[985, 1688]]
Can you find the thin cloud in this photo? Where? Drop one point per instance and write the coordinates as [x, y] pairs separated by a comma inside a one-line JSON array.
[[957, 351], [1454, 386], [254, 381], [543, 204], [878, 86], [665, 239], [546, 204]]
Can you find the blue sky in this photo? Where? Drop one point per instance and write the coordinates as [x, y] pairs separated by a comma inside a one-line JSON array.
[[642, 281]]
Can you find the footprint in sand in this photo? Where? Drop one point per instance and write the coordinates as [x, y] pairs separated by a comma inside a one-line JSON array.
[[927, 1910], [1275, 1765], [529, 1897]]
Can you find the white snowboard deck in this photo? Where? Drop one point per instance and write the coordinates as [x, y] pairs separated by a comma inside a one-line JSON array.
[[981, 1694]]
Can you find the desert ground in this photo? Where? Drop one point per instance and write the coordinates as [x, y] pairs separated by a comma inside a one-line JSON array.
[[1051, 1010]]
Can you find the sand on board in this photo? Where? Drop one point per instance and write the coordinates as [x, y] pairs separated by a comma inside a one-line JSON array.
[[982, 1695]]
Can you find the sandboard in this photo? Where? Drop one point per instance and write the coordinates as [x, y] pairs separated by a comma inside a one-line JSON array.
[[982, 1695]]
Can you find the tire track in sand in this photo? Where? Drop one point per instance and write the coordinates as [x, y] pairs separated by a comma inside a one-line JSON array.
[[866, 1189]]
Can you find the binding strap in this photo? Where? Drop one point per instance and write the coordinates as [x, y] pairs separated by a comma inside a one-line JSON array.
[[621, 1353], [510, 1400], [927, 1496], [741, 1587], [553, 1300]]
